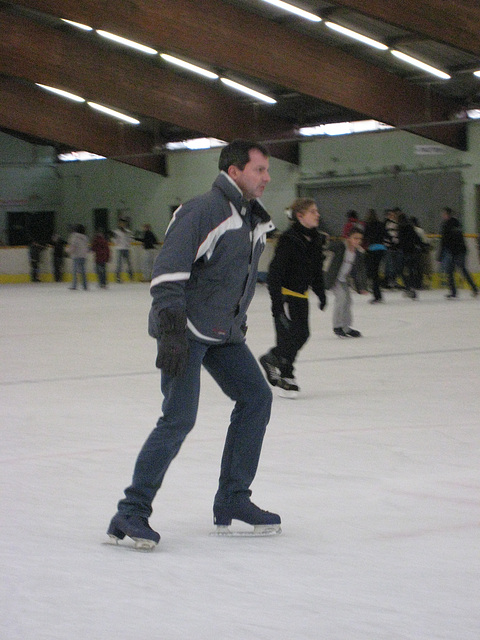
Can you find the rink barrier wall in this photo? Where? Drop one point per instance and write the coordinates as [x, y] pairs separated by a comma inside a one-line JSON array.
[[15, 265]]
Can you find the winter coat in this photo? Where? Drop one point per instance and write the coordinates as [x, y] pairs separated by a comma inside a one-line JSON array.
[[101, 250], [373, 236], [209, 261], [357, 275], [452, 238], [77, 245], [409, 241], [123, 239], [296, 265]]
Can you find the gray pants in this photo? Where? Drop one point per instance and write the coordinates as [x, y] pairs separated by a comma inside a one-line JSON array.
[[342, 311]]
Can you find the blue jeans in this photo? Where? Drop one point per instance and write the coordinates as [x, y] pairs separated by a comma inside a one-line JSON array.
[[124, 255], [237, 373], [451, 261], [101, 268], [393, 266], [79, 268]]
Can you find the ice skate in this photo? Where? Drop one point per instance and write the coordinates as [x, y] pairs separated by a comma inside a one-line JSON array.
[[353, 333], [264, 523], [288, 388], [271, 365], [136, 528]]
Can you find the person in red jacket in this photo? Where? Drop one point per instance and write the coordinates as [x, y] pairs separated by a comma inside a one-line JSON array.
[[102, 255]]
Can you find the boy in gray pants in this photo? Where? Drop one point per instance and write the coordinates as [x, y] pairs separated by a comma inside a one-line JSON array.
[[346, 268]]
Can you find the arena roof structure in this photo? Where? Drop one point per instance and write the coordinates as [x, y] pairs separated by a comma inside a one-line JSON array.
[[311, 66]]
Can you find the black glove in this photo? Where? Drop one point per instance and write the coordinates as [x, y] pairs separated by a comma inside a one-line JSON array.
[[169, 326], [323, 302]]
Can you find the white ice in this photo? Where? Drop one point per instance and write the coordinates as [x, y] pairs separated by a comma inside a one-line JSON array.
[[374, 470]]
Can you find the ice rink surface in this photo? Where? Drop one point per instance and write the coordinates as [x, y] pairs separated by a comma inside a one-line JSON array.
[[374, 470]]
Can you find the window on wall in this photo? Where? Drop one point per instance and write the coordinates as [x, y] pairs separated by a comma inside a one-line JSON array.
[[100, 220], [25, 226]]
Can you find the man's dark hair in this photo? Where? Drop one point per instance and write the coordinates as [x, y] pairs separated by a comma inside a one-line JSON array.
[[238, 154]]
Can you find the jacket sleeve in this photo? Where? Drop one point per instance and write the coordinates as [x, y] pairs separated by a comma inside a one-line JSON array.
[[276, 275], [318, 284], [360, 279], [188, 230], [330, 275]]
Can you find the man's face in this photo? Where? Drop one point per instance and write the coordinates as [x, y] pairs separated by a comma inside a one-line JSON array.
[[254, 177]]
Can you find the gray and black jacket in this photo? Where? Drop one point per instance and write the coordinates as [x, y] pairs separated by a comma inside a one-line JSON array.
[[357, 276], [209, 261]]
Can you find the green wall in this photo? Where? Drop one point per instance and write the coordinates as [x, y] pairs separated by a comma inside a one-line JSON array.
[[31, 180]]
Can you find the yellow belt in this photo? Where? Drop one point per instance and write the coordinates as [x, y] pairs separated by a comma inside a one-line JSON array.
[[294, 294]]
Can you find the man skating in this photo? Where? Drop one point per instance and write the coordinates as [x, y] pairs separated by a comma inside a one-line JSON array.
[[203, 281]]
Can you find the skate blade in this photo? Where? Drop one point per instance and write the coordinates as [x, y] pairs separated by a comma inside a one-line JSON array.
[[140, 544], [284, 393], [143, 544], [258, 531]]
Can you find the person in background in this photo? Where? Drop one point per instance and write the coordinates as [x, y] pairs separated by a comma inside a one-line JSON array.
[[409, 248], [373, 238], [123, 239], [58, 254], [453, 252], [35, 253], [203, 280], [346, 266], [296, 266], [149, 242], [424, 262], [78, 250], [352, 221], [102, 256], [392, 257]]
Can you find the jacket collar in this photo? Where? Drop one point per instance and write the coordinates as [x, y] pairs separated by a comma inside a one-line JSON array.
[[234, 194]]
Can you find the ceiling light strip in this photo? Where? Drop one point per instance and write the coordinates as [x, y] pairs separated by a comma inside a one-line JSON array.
[[77, 25], [61, 92], [113, 113], [295, 10], [356, 36], [126, 42], [248, 91], [187, 65], [420, 65]]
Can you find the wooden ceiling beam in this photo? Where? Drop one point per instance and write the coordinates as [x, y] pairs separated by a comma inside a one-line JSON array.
[[238, 40], [102, 73], [453, 22], [29, 110]]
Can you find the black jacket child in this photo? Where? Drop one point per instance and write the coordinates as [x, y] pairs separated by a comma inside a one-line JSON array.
[[296, 266]]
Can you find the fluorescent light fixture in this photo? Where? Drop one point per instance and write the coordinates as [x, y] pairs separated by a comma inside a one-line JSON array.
[[298, 12], [113, 113], [78, 25], [248, 91], [356, 36], [476, 73], [195, 144], [420, 65], [61, 92], [344, 128], [474, 114], [189, 66], [79, 156], [127, 43]]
